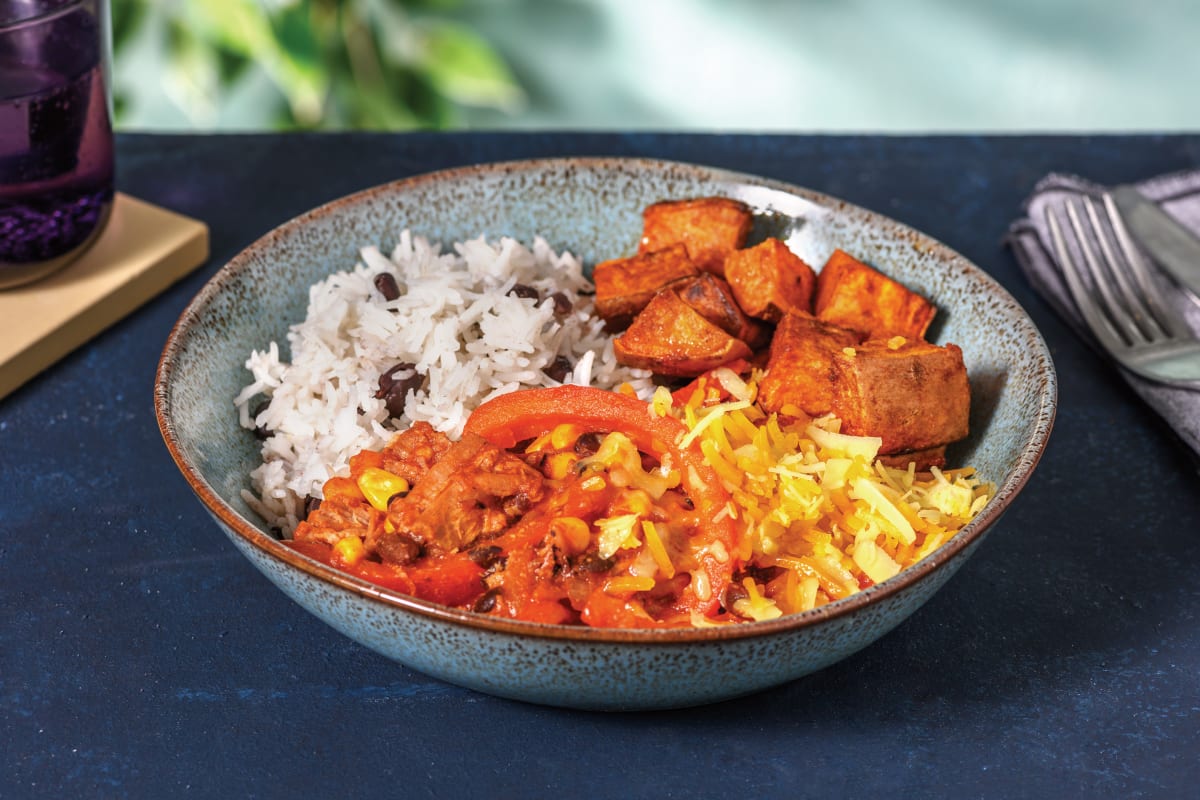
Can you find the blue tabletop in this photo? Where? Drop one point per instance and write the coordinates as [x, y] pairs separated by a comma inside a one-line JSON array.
[[142, 656]]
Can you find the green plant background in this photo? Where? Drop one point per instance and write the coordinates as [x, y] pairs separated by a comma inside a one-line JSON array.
[[303, 64], [713, 65]]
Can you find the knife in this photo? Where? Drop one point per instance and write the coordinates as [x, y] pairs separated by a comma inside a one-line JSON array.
[[1175, 248]]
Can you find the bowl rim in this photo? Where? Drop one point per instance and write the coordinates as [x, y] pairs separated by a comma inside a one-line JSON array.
[[1032, 448]]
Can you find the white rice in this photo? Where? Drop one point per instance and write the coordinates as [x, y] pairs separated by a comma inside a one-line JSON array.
[[455, 320]]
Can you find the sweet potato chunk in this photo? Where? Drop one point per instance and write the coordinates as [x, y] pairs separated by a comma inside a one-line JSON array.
[[670, 337], [914, 395], [853, 295], [710, 227], [625, 285], [802, 371], [714, 299], [769, 280]]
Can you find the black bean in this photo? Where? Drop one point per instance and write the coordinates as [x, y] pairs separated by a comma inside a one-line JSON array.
[[385, 282], [486, 602], [260, 431], [398, 548], [592, 562], [486, 555], [521, 290], [562, 304], [518, 504], [395, 384], [311, 504], [559, 369], [587, 445], [733, 593]]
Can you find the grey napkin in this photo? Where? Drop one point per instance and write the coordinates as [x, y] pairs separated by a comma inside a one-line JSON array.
[[1029, 237]]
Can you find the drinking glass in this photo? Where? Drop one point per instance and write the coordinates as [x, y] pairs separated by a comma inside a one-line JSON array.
[[56, 143]]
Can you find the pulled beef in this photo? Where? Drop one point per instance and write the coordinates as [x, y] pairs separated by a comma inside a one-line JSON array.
[[473, 489], [332, 520], [413, 452]]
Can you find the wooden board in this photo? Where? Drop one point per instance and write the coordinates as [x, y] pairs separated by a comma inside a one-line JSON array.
[[142, 251]]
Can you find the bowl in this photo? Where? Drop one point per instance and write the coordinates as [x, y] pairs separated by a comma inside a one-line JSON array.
[[592, 207]]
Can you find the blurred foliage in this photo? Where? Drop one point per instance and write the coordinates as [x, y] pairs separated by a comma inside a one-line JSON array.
[[366, 64]]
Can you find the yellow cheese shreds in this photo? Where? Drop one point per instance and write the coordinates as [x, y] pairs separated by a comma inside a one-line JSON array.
[[841, 444], [815, 501], [873, 561], [615, 533], [657, 549], [711, 415], [754, 605], [866, 490], [624, 584]]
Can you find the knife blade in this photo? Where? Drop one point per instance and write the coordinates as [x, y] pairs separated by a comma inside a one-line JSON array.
[[1172, 246]]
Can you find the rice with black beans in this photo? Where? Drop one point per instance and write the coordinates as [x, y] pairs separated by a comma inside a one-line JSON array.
[[457, 320]]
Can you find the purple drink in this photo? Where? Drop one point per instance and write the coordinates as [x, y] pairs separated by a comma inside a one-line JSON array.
[[56, 153]]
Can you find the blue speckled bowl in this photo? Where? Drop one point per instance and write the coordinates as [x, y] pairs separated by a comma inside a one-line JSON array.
[[593, 208]]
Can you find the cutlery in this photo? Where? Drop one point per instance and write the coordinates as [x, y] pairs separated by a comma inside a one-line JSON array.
[[1129, 317], [1169, 243]]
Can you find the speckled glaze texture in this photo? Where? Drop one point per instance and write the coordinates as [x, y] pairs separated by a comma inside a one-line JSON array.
[[591, 207]]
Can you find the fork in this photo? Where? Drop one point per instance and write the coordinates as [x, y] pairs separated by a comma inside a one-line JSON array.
[[1131, 318]]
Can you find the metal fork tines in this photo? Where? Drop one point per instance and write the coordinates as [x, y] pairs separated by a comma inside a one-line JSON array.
[[1120, 299]]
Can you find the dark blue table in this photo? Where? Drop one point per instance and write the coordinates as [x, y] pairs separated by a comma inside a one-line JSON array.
[[141, 656]]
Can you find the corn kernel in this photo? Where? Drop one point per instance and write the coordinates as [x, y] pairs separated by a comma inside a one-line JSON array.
[[573, 533], [564, 436], [379, 486], [661, 402], [593, 484], [559, 465], [349, 550]]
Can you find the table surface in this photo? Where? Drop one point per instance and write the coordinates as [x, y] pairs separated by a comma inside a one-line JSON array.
[[141, 655]]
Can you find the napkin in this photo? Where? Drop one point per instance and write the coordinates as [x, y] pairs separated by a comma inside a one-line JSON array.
[[1029, 238]]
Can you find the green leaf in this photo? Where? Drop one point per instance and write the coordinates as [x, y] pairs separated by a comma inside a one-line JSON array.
[[465, 68], [244, 27], [295, 30], [127, 18]]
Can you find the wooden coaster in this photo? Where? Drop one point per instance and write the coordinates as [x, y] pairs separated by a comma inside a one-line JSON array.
[[142, 251]]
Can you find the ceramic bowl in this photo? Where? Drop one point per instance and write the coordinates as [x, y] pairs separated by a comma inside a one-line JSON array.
[[591, 207]]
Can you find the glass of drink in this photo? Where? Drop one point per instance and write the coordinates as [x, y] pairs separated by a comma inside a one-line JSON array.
[[56, 144]]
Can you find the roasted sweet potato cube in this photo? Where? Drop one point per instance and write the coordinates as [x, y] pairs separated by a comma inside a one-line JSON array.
[[769, 280], [912, 394], [670, 337], [625, 285], [714, 299], [802, 372], [710, 227], [853, 295]]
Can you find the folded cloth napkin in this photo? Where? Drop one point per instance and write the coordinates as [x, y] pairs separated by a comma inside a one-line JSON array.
[[1029, 238]]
